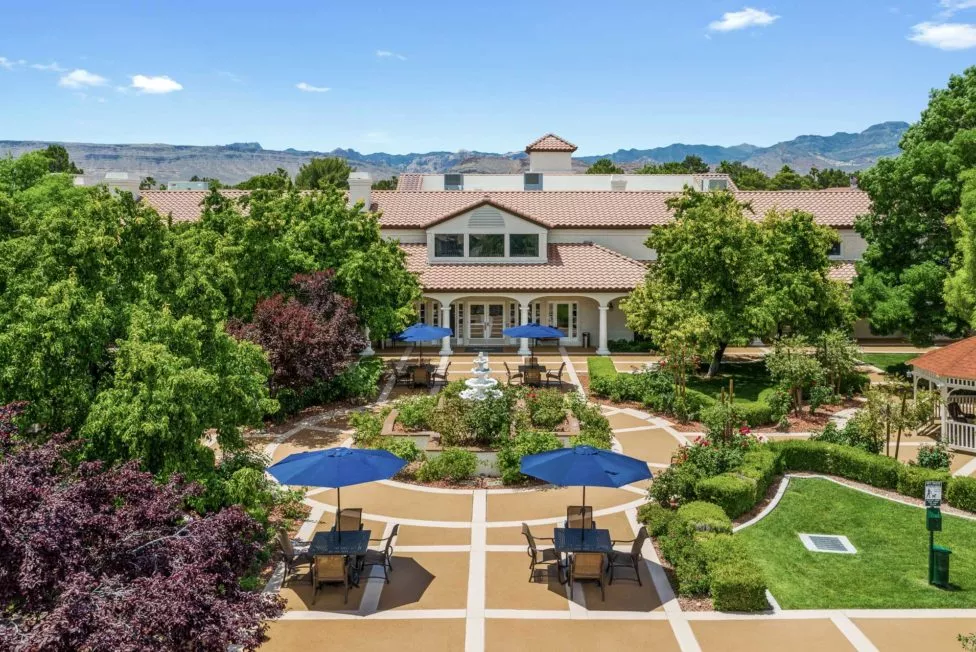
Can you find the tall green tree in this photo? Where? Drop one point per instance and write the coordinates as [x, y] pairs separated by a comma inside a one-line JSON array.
[[690, 165], [385, 184], [60, 162], [829, 178], [743, 176], [277, 180], [914, 197], [323, 173], [604, 166], [788, 179], [800, 296], [960, 288], [708, 278]]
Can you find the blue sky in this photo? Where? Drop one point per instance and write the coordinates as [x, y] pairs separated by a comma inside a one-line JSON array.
[[419, 76]]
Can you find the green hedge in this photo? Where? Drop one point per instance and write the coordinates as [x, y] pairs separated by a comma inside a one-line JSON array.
[[602, 375], [655, 518], [708, 559], [733, 492], [835, 459], [912, 479], [961, 493]]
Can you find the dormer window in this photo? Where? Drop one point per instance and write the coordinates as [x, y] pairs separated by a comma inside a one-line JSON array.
[[453, 182], [834, 249], [523, 245], [449, 245], [533, 180], [486, 245], [718, 184]]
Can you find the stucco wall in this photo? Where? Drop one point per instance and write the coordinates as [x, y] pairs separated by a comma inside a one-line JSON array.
[[852, 245], [629, 242]]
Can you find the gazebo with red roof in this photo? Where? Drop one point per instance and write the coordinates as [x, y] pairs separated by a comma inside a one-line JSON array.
[[952, 370]]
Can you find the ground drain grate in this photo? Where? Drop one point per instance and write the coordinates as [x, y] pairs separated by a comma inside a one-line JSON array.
[[835, 543]]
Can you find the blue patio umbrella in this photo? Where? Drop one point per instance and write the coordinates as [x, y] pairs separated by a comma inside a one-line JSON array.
[[336, 468], [422, 333], [585, 466], [534, 331]]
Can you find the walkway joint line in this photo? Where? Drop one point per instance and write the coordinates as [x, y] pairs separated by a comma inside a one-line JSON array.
[[851, 632]]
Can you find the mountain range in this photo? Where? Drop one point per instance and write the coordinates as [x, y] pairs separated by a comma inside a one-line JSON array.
[[239, 161]]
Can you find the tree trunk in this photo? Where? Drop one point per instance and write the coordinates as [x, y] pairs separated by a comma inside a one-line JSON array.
[[901, 424], [716, 360]]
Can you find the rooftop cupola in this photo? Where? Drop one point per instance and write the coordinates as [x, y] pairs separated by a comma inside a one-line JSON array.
[[550, 154]]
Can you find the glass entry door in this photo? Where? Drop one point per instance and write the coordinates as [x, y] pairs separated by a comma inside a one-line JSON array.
[[564, 317], [485, 321]]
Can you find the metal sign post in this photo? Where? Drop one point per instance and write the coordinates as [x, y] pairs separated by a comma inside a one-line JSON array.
[[938, 556]]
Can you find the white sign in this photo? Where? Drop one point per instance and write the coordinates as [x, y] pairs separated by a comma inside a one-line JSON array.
[[933, 494]]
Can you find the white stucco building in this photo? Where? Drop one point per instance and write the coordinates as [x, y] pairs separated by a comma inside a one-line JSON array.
[[548, 245]]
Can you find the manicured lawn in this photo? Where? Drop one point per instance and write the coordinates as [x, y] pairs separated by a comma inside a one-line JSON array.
[[749, 379], [892, 363], [890, 569]]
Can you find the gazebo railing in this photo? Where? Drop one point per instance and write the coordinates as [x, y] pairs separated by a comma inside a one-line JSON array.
[[959, 435], [967, 402]]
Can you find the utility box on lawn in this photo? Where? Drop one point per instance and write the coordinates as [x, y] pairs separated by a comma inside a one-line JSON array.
[[940, 566]]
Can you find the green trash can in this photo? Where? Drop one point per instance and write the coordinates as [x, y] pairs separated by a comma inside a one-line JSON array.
[[940, 566]]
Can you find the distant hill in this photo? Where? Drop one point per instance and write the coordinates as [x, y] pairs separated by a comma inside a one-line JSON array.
[[238, 161]]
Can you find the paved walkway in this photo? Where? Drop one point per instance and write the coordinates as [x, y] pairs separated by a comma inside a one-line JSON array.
[[460, 579]]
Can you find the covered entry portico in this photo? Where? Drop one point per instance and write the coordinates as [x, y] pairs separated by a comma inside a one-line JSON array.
[[951, 371], [577, 289], [480, 319]]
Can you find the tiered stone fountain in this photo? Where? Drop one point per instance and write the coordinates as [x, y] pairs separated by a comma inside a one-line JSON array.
[[482, 385]]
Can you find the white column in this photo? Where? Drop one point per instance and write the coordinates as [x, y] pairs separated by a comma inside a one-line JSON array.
[[602, 349], [369, 345], [446, 323], [524, 341]]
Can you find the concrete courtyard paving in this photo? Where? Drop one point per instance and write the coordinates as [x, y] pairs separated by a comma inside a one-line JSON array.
[[461, 574]]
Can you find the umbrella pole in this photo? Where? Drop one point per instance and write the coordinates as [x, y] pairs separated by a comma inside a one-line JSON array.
[[582, 519], [339, 511]]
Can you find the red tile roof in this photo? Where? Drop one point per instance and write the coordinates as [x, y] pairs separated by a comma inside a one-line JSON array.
[[570, 268], [183, 205], [410, 181], [589, 209], [550, 143], [842, 270], [604, 208], [957, 360]]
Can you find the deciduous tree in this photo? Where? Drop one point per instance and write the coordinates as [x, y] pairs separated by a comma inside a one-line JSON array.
[[604, 166], [323, 173], [709, 272], [310, 337], [900, 281], [99, 558]]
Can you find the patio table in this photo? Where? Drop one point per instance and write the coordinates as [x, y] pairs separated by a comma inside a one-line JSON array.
[[527, 367], [354, 542], [350, 543], [573, 539]]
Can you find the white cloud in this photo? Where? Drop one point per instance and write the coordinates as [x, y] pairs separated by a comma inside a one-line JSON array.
[[308, 88], [155, 85], [386, 54], [48, 67], [952, 6], [945, 36], [748, 17], [237, 79], [80, 78], [6, 63]]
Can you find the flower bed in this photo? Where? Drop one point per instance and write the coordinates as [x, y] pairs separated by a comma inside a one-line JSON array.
[[490, 435]]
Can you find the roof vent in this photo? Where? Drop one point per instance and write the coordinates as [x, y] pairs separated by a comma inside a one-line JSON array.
[[834, 543], [486, 217], [618, 183], [454, 181]]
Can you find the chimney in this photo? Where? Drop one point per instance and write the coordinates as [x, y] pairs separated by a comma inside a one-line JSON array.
[[618, 183], [360, 184]]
